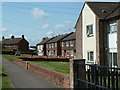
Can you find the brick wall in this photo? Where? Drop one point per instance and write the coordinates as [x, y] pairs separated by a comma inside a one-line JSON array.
[[60, 79], [79, 50], [118, 42]]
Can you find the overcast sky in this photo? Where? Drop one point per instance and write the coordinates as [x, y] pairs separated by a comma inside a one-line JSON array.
[[38, 19]]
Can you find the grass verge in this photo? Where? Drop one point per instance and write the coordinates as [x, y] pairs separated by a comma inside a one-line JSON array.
[[4, 80], [62, 67], [12, 57]]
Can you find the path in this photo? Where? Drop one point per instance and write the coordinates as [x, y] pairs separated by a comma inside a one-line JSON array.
[[22, 78]]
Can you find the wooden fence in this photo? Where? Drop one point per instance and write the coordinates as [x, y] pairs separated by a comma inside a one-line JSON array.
[[95, 77]]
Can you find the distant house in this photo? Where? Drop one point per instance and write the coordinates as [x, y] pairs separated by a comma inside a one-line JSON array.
[[32, 48], [68, 46], [54, 45], [41, 47], [15, 44], [98, 33]]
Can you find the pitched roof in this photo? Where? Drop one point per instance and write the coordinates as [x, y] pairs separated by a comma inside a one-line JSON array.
[[105, 9], [70, 37], [57, 38], [9, 41], [44, 41]]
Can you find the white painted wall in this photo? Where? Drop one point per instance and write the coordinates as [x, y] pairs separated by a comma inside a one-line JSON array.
[[89, 43], [40, 50]]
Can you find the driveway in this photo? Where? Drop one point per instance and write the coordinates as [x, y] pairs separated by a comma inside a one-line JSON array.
[[22, 78]]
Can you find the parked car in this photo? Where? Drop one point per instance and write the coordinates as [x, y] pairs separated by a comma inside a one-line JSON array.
[[17, 54]]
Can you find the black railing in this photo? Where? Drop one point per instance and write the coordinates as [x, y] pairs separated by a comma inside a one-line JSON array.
[[97, 77]]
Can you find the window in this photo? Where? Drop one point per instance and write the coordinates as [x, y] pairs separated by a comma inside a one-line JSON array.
[[67, 53], [52, 45], [89, 31], [112, 59], [62, 44], [71, 43], [90, 56], [55, 44], [67, 43], [49, 45], [112, 27], [62, 52], [72, 53]]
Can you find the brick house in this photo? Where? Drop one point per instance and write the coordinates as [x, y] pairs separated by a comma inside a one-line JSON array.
[[54, 45], [97, 33], [41, 47], [15, 44], [68, 46]]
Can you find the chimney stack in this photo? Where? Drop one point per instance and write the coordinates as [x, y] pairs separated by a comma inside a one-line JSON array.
[[3, 38], [12, 37], [22, 36]]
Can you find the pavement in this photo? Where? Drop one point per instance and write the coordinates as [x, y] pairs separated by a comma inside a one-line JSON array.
[[22, 78]]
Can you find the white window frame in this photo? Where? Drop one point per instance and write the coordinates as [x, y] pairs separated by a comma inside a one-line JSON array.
[[67, 43], [71, 52], [112, 24], [71, 43], [62, 44], [67, 52], [111, 62], [88, 32], [89, 56]]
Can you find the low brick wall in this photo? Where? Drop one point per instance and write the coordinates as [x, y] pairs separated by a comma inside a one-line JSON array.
[[60, 79]]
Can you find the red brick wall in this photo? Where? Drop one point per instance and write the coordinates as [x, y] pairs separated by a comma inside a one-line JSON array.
[[60, 79], [79, 47], [23, 45], [118, 42]]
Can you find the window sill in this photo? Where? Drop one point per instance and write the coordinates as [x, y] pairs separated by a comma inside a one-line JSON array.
[[91, 35]]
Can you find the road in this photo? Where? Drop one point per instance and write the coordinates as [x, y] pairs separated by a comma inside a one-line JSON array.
[[22, 78]]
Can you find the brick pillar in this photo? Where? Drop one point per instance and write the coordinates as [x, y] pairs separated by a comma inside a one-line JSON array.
[[77, 71], [118, 42], [71, 74]]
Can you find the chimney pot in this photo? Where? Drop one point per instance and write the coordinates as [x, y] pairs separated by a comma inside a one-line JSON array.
[[12, 37]]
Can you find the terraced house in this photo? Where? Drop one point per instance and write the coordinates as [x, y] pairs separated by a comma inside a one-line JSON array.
[[68, 46], [41, 47], [98, 33], [15, 44], [54, 45]]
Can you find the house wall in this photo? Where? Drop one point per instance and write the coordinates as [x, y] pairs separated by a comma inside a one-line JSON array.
[[40, 50], [118, 42], [68, 48], [23, 45], [79, 38], [11, 48], [49, 49], [88, 43]]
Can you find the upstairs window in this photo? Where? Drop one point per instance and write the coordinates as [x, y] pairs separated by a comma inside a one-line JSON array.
[[71, 43], [112, 27], [67, 43], [55, 44], [62, 44], [89, 31], [90, 56]]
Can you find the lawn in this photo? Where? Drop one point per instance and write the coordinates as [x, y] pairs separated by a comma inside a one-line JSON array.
[[4, 80], [62, 67]]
